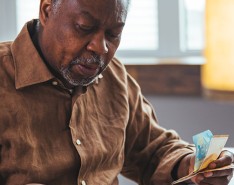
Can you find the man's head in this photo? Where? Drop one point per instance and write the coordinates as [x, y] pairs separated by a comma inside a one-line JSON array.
[[78, 38]]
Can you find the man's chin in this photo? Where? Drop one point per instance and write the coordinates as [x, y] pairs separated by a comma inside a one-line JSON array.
[[81, 82]]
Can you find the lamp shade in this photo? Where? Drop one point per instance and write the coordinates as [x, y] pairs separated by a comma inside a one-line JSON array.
[[218, 71]]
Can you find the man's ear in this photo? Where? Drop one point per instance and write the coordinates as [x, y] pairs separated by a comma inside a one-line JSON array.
[[45, 11]]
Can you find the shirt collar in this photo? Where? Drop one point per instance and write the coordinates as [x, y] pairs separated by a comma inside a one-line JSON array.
[[30, 68]]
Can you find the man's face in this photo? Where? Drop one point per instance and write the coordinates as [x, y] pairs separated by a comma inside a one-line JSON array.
[[80, 37]]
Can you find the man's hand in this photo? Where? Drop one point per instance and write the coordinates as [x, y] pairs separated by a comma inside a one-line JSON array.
[[221, 177]]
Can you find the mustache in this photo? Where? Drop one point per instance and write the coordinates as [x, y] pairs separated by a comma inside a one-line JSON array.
[[93, 59]]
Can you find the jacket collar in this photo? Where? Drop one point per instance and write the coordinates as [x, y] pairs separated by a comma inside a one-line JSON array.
[[30, 68]]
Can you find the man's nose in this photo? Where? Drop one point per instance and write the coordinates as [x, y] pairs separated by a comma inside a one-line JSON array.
[[98, 43]]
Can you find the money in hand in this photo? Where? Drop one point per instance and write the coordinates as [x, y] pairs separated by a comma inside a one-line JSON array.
[[202, 143], [208, 149]]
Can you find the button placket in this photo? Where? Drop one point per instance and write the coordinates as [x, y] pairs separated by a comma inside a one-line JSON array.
[[78, 142]]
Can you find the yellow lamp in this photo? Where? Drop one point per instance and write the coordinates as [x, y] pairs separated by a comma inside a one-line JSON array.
[[218, 71]]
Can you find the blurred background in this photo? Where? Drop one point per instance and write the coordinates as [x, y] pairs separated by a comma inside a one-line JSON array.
[[181, 52]]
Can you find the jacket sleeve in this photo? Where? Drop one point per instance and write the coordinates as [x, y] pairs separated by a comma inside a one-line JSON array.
[[151, 151]]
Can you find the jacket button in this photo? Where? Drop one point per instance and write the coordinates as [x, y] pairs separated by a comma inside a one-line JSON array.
[[55, 83], [83, 182], [78, 142]]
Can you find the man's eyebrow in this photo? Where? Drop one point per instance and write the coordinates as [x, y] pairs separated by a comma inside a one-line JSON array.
[[88, 15], [119, 25]]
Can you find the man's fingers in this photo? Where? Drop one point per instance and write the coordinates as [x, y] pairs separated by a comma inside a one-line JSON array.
[[219, 173], [217, 180], [197, 179], [225, 158], [220, 177]]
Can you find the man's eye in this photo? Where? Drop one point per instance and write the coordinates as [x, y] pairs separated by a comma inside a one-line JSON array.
[[85, 28], [114, 35]]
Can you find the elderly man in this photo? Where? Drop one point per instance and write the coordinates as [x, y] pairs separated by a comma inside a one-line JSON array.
[[71, 114]]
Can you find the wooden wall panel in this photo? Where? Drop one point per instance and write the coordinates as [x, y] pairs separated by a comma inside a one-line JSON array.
[[167, 79]]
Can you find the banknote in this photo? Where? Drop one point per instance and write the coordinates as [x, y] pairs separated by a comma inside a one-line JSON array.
[[208, 149], [202, 143]]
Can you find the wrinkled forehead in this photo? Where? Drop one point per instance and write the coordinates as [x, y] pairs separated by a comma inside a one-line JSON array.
[[105, 8], [99, 8]]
